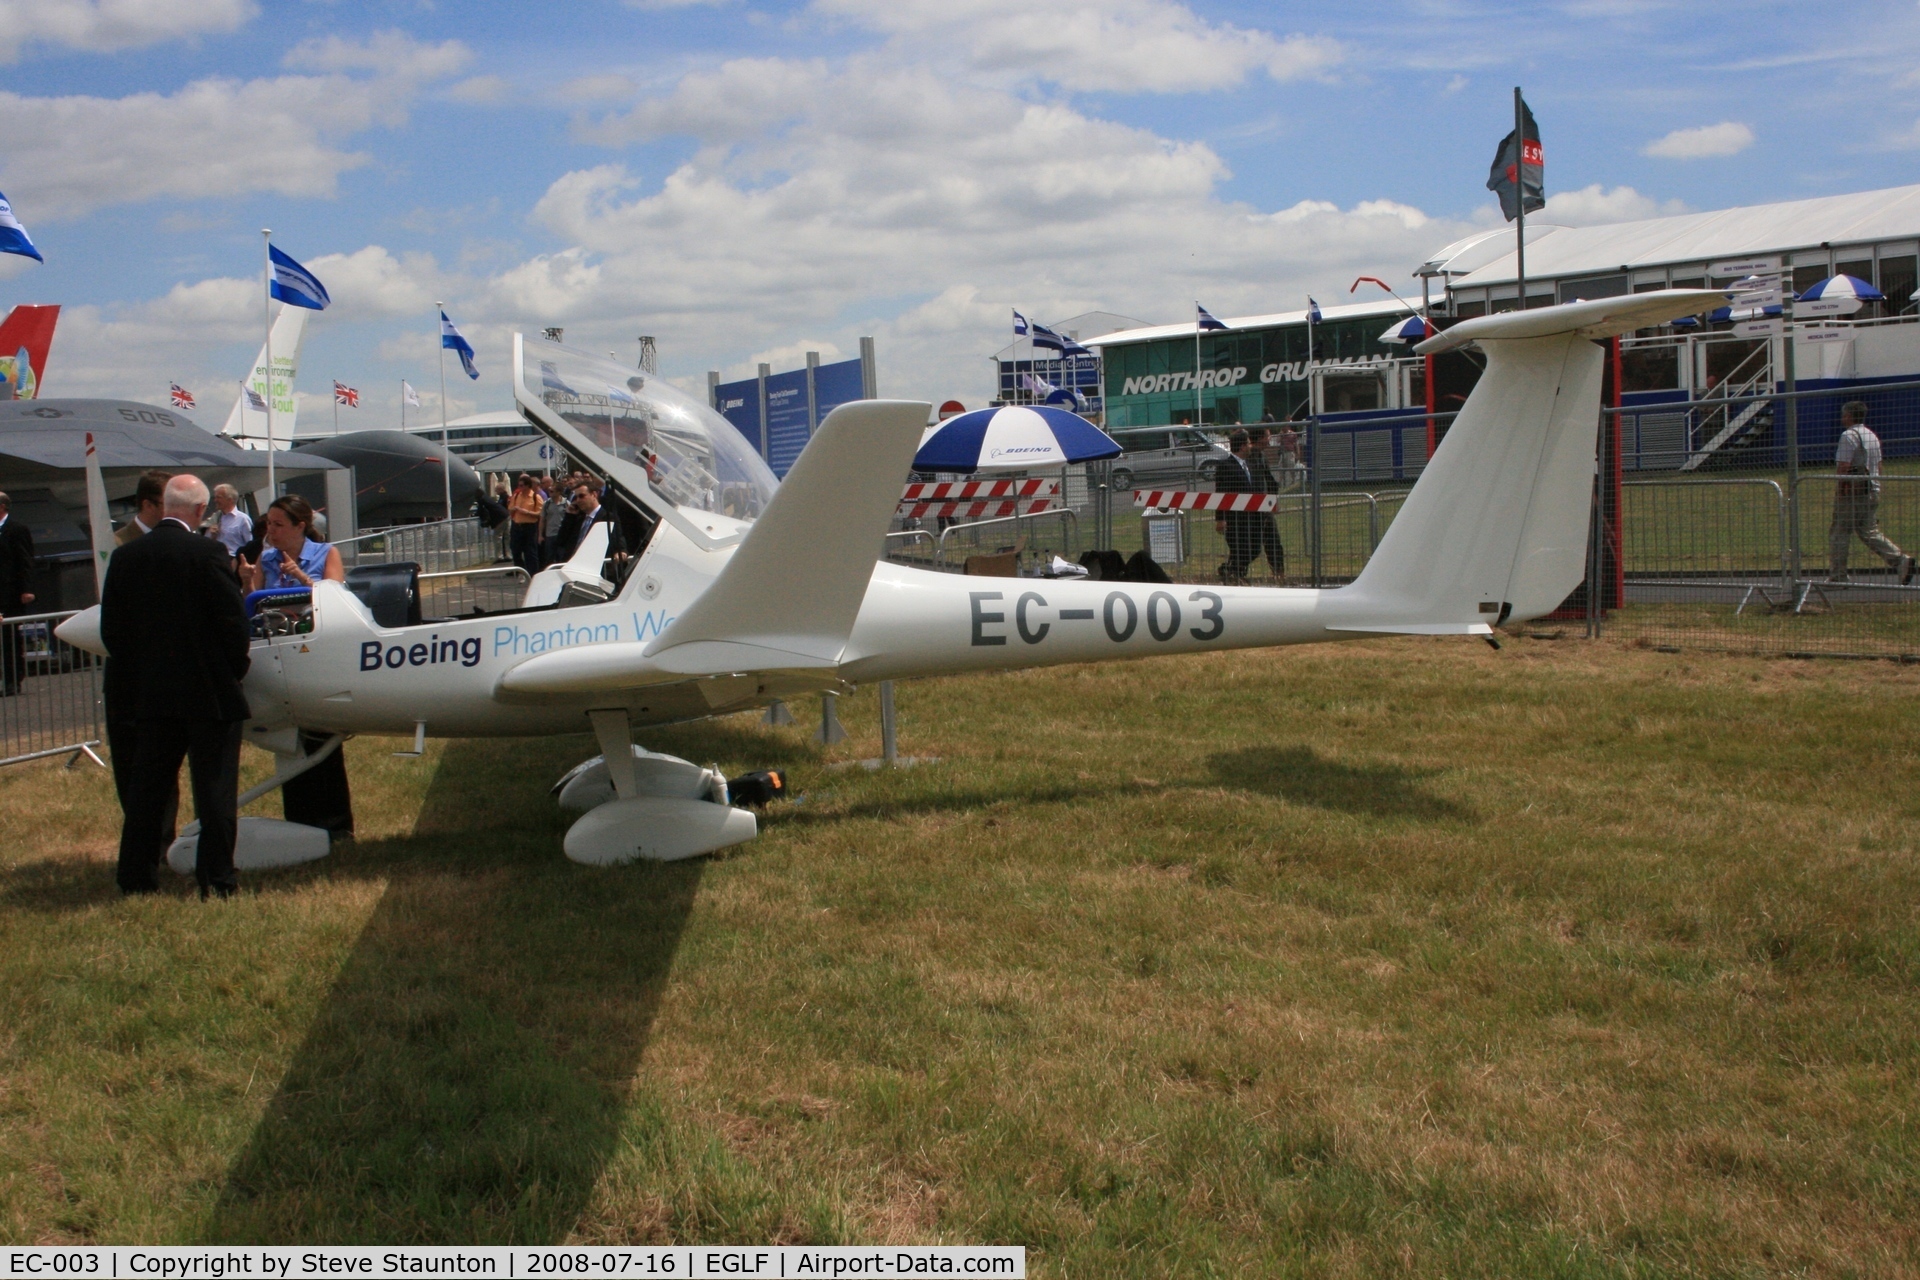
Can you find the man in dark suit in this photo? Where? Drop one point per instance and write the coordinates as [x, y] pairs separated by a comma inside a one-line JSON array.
[[1233, 475], [16, 594], [175, 629], [586, 511], [1260, 456]]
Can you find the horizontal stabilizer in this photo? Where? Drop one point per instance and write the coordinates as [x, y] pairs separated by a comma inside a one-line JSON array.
[[1600, 318], [789, 596]]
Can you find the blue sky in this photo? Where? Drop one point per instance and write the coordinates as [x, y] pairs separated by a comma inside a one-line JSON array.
[[750, 181]]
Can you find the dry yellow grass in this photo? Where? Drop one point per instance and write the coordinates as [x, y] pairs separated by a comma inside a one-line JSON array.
[[1396, 958]]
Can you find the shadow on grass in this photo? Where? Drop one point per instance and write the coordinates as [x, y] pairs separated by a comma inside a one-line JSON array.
[[467, 1077], [1300, 775]]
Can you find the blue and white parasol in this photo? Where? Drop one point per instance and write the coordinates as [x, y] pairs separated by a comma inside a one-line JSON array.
[[1013, 437], [1839, 295], [1842, 286], [1412, 329]]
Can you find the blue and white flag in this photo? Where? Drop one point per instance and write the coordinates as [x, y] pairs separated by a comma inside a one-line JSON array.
[[294, 285], [1313, 311], [1205, 319], [254, 400], [13, 236], [1045, 337], [1068, 347], [450, 339], [1019, 325]]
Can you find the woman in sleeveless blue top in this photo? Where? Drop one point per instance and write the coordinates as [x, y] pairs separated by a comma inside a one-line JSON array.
[[293, 558]]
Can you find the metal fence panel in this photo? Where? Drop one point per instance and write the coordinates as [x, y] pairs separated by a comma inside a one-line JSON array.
[[54, 705]]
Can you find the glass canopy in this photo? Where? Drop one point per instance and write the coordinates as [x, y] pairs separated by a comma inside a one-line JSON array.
[[693, 457]]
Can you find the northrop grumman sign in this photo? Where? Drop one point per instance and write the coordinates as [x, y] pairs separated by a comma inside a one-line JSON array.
[[1296, 371]]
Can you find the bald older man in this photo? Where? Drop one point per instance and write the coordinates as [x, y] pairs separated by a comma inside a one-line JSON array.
[[175, 627]]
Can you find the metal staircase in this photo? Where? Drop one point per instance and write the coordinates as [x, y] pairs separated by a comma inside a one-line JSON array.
[[1753, 376]]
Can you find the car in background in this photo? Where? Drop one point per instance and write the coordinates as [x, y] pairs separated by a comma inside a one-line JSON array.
[[1176, 458]]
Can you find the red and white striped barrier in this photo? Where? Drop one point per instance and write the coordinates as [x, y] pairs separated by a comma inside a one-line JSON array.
[[1181, 500], [991, 510], [956, 490], [979, 499]]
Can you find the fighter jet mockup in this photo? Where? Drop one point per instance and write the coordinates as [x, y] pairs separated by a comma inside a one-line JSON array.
[[750, 590]]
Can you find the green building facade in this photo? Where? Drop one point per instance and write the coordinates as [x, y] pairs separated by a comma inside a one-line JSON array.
[[1258, 368]]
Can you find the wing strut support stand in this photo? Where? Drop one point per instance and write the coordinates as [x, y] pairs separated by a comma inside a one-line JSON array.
[[831, 730], [615, 732]]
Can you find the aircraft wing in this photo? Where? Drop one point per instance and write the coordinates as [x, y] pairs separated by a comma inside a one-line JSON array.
[[787, 599]]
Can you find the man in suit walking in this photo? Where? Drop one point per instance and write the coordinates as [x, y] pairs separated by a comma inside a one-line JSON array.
[[1234, 475], [16, 594], [175, 628]]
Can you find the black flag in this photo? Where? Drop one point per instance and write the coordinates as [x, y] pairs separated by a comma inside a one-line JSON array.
[[1531, 175]]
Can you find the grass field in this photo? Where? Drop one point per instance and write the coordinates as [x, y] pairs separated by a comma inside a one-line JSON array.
[[1399, 958]]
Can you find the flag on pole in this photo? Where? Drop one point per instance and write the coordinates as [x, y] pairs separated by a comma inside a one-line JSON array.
[[182, 398], [408, 394], [1205, 319], [1019, 325], [13, 236], [1522, 183], [294, 285], [343, 394], [553, 334], [1313, 311], [254, 399], [1042, 336], [450, 339]]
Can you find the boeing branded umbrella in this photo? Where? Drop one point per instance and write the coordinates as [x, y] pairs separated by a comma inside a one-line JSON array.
[[1013, 437]]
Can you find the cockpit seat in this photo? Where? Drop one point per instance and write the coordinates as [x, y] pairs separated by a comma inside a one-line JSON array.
[[391, 592]]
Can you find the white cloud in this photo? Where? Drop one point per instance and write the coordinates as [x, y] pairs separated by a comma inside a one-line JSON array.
[[867, 199], [69, 155], [1594, 204], [103, 26], [1123, 46], [481, 91], [599, 88], [1728, 138]]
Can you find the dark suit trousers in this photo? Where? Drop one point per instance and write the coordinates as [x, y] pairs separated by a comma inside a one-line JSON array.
[[13, 654], [123, 750], [211, 749]]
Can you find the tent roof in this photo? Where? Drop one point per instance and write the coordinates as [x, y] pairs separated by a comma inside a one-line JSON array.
[[1863, 217]]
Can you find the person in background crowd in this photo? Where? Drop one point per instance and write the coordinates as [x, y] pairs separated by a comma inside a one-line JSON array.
[[16, 594], [524, 508], [1289, 441], [1856, 501], [232, 527], [1261, 452], [293, 557], [551, 515], [146, 496], [1233, 475], [175, 630]]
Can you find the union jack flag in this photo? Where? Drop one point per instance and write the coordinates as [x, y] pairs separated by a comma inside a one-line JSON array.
[[348, 396], [182, 398]]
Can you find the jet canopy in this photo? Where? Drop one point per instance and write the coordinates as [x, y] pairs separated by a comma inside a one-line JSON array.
[[671, 450]]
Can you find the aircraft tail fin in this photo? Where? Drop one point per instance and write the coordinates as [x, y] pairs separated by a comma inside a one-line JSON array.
[[790, 593], [244, 422], [1496, 527], [25, 338]]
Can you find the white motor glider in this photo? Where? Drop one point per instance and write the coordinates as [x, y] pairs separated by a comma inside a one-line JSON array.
[[751, 590]]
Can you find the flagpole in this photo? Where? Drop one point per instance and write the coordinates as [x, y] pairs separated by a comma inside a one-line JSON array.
[[446, 465], [336, 406], [1196, 365], [1520, 190], [266, 311]]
